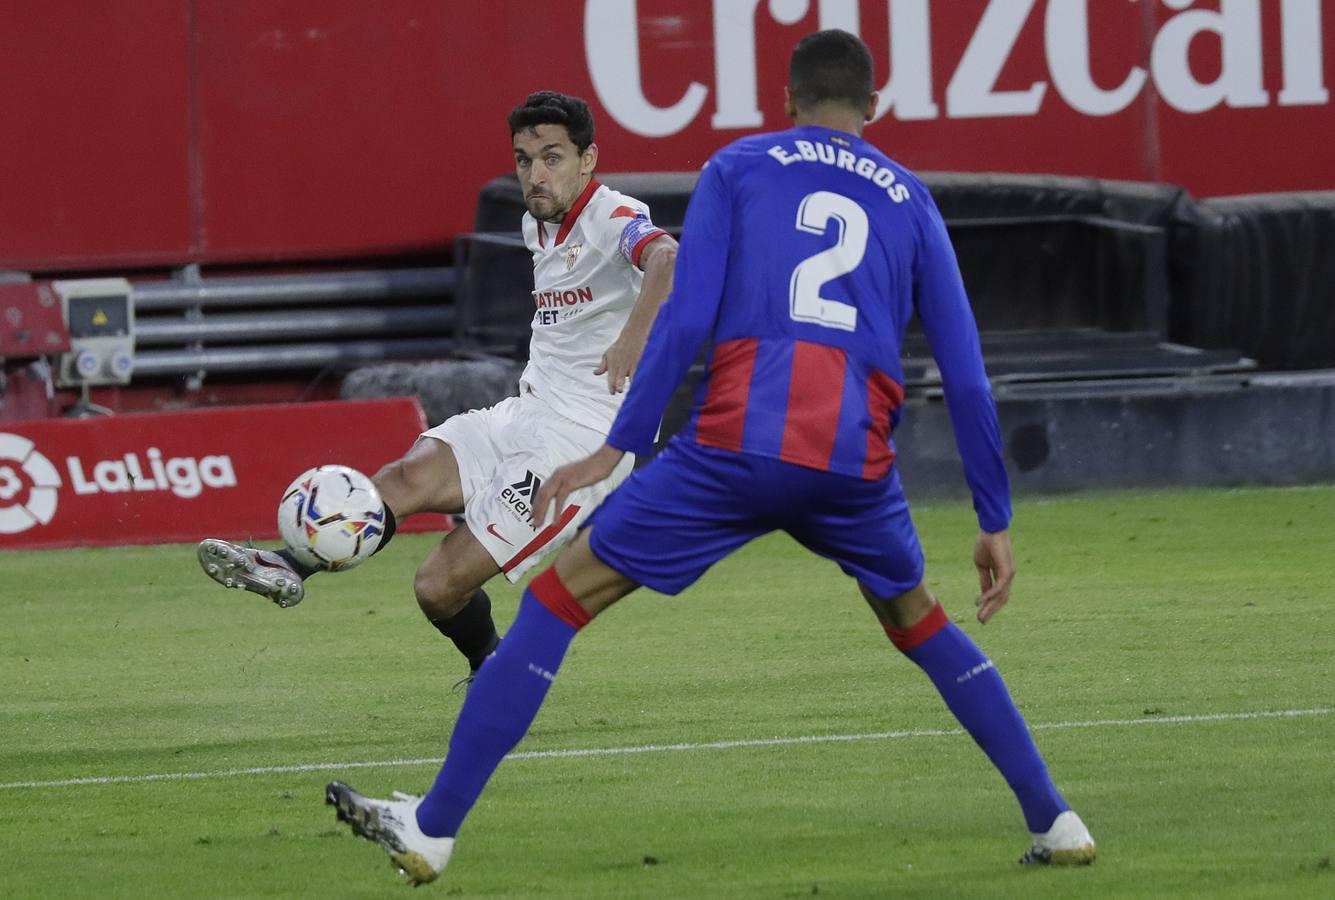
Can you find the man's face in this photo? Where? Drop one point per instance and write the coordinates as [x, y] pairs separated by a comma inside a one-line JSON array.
[[551, 171]]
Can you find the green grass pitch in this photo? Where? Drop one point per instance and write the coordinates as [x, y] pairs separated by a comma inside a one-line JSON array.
[[1135, 618]]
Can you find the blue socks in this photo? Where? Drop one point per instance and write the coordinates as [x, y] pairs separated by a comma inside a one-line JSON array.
[[975, 693], [511, 686], [501, 704]]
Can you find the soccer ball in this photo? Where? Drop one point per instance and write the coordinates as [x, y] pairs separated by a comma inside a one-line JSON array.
[[332, 518]]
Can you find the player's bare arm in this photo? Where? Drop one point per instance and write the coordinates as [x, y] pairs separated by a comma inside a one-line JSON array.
[[995, 561], [658, 260], [570, 478]]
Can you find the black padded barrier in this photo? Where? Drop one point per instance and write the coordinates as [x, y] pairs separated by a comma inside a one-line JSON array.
[[1080, 287], [1257, 273], [1035, 251], [1042, 252], [1048, 254]]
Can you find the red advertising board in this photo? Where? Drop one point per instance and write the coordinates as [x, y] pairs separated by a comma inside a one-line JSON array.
[[182, 476], [299, 129]]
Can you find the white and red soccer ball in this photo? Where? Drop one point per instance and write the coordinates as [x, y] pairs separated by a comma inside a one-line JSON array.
[[332, 517]]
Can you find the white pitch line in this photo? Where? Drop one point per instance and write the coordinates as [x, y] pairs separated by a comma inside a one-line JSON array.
[[668, 748]]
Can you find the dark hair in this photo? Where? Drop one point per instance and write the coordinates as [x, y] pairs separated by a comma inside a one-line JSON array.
[[830, 66], [552, 108]]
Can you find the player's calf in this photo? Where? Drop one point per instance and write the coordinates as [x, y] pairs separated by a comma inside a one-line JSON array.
[[469, 627], [974, 691], [463, 616], [448, 587]]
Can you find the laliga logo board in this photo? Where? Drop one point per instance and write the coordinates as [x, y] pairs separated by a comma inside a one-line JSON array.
[[183, 475], [29, 485]]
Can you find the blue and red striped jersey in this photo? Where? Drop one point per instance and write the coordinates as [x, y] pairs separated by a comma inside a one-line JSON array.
[[804, 255]]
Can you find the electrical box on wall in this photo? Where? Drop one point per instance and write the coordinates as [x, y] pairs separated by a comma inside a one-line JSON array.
[[99, 313]]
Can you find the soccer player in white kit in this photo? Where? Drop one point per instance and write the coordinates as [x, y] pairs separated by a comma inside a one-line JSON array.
[[601, 269]]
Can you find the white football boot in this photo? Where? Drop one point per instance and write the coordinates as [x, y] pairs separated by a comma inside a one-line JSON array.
[[393, 825], [261, 572], [1066, 843]]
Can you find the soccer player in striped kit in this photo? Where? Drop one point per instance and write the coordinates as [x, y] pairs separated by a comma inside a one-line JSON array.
[[804, 255]]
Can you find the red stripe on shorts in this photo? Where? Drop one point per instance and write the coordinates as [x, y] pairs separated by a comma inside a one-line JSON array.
[[542, 539]]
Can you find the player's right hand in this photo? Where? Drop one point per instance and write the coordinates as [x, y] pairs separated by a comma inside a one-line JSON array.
[[619, 361], [570, 478], [995, 561]]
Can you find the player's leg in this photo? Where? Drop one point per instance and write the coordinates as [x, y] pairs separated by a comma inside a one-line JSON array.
[[663, 528], [867, 529], [437, 474], [418, 833], [448, 587], [974, 691], [510, 688], [426, 478], [497, 536]]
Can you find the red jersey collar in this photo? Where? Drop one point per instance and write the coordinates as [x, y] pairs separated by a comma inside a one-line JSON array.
[[578, 207]]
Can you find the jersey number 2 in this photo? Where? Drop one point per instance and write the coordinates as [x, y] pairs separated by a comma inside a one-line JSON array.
[[814, 215]]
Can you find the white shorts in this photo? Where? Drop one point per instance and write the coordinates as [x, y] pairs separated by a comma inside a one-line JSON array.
[[504, 454]]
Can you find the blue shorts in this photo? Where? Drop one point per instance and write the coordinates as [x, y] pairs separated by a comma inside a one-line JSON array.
[[691, 506]]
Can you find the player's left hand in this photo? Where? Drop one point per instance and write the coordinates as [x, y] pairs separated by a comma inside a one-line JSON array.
[[568, 479], [619, 363], [995, 561]]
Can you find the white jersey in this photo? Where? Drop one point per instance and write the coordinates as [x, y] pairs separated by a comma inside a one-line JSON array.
[[586, 279]]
